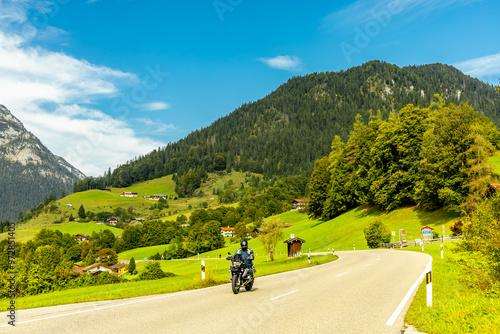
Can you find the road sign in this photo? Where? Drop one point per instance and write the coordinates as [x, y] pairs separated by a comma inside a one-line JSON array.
[[393, 233]]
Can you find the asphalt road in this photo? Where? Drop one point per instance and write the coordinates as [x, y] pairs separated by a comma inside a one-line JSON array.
[[360, 293]]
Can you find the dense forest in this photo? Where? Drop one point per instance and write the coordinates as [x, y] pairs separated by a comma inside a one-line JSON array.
[[433, 157], [286, 131]]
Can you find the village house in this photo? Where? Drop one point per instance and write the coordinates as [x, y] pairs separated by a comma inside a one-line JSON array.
[[119, 268], [300, 204], [112, 220], [157, 197], [129, 194], [94, 269], [81, 237], [227, 231]]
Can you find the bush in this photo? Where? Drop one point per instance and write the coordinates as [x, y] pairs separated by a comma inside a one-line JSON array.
[[153, 271], [377, 233], [457, 228]]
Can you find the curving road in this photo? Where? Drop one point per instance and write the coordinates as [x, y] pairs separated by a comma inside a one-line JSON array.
[[362, 292]]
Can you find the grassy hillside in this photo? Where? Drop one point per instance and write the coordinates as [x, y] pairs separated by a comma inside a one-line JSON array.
[[340, 233], [71, 228], [161, 186], [495, 162], [99, 201]]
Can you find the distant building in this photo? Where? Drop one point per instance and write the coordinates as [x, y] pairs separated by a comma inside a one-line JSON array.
[[227, 231], [119, 268], [69, 204], [94, 269], [157, 197], [129, 194], [81, 237], [300, 204], [112, 220]]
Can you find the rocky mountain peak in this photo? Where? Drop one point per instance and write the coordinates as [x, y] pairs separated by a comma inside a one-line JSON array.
[[28, 170]]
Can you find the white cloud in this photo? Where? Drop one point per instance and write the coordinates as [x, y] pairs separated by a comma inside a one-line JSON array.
[[383, 11], [481, 67], [154, 106], [289, 63], [87, 138], [156, 126], [33, 78]]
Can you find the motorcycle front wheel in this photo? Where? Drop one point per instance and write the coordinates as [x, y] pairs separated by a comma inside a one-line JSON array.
[[235, 283], [249, 286]]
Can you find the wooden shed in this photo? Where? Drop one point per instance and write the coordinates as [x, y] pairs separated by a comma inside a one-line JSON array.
[[294, 246]]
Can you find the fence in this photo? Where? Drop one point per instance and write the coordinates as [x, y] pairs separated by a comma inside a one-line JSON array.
[[414, 243]]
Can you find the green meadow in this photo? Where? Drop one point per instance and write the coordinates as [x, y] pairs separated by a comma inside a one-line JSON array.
[[160, 186], [456, 308], [71, 228]]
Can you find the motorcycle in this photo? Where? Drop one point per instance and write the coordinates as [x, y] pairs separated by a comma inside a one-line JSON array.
[[239, 273]]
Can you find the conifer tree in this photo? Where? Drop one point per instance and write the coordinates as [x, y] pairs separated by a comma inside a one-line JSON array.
[[90, 259], [81, 212], [131, 266], [319, 187]]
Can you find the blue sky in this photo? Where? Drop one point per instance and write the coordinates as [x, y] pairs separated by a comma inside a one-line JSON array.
[[102, 81]]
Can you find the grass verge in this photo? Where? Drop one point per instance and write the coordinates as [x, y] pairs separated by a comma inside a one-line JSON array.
[[189, 279], [456, 308]]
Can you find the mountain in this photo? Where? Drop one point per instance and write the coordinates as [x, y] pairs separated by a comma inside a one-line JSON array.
[[28, 170], [286, 131]]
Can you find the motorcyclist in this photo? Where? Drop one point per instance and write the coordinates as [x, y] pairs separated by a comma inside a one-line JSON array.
[[247, 255]]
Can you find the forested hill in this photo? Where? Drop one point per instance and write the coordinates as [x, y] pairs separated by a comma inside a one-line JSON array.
[[286, 131]]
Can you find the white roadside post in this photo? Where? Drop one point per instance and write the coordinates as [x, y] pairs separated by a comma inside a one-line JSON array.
[[354, 247], [441, 250], [202, 270], [429, 287], [309, 257], [393, 235]]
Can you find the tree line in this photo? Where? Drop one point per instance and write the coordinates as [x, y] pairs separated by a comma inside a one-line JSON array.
[[430, 157]]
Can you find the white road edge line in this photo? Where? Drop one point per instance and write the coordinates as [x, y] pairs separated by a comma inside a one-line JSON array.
[[398, 310], [342, 274], [369, 264], [111, 306], [286, 294]]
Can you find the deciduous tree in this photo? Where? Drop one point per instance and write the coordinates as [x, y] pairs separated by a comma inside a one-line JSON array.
[[271, 231]]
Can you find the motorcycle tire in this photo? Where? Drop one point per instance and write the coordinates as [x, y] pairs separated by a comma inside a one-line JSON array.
[[235, 284], [249, 286]]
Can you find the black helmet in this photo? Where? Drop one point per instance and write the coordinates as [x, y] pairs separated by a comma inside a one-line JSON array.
[[244, 244]]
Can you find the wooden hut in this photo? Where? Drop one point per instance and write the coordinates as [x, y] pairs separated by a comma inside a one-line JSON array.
[[294, 246]]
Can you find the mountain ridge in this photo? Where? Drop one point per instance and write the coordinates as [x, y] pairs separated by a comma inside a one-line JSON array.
[[284, 132], [29, 171]]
